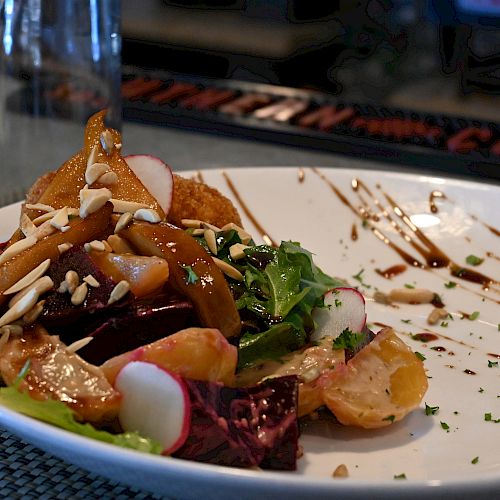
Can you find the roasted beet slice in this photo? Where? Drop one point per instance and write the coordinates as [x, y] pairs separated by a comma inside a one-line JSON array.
[[243, 427], [116, 328]]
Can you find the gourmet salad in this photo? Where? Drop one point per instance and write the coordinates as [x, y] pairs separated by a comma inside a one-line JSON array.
[[136, 309]]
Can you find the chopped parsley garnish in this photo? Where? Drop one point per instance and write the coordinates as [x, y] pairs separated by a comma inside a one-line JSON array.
[[420, 356], [409, 285], [407, 321], [481, 389], [473, 260], [338, 303], [474, 315], [488, 418], [400, 476], [445, 426], [191, 276], [359, 277], [390, 418], [444, 324], [492, 364], [475, 460], [348, 340], [431, 410], [450, 284]]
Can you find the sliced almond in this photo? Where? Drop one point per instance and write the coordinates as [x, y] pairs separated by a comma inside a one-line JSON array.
[[107, 142], [61, 219], [78, 344], [92, 200], [91, 281], [211, 240], [20, 308], [147, 215], [78, 296], [39, 206], [122, 206], [72, 279], [119, 245], [16, 248], [64, 247], [236, 251], [124, 220], [27, 226], [119, 291], [108, 178], [30, 278], [95, 171], [228, 269], [31, 316]]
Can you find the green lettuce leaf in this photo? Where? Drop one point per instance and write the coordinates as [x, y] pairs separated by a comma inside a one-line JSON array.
[[58, 414]]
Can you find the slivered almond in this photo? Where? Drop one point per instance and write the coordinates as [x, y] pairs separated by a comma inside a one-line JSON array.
[[31, 316], [72, 279], [44, 229], [41, 285], [108, 178], [78, 296], [44, 217], [63, 287], [107, 142], [119, 291], [211, 240], [39, 206], [95, 171], [412, 295], [340, 471], [30, 278], [118, 145], [124, 220], [191, 223], [92, 156], [27, 226], [95, 245], [147, 215], [122, 206], [16, 248], [198, 232], [119, 245], [14, 329], [435, 315], [207, 225], [236, 251], [92, 200], [61, 219], [20, 308], [65, 228], [64, 247], [78, 344], [244, 236], [228, 269], [91, 281], [5, 335]]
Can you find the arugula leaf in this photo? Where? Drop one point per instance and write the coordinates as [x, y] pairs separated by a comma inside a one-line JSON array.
[[271, 344], [58, 414]]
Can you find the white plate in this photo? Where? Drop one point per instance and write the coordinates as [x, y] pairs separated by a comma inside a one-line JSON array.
[[435, 462]]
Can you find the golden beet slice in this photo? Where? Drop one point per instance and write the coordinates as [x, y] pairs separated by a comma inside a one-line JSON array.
[[195, 353], [59, 374], [81, 231], [144, 274], [207, 290], [69, 179]]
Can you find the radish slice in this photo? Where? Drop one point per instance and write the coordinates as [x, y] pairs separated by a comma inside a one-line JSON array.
[[155, 403], [346, 309], [156, 177]]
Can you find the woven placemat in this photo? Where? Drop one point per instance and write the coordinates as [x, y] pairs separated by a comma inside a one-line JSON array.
[[29, 473]]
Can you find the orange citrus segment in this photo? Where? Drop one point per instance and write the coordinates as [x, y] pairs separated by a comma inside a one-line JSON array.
[[380, 385]]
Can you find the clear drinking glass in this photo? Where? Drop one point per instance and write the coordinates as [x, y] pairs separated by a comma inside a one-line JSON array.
[[59, 63]]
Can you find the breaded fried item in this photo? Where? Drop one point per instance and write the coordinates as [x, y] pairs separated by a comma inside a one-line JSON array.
[[195, 200]]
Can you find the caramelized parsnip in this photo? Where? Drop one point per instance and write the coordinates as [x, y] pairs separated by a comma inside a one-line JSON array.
[[208, 292]]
